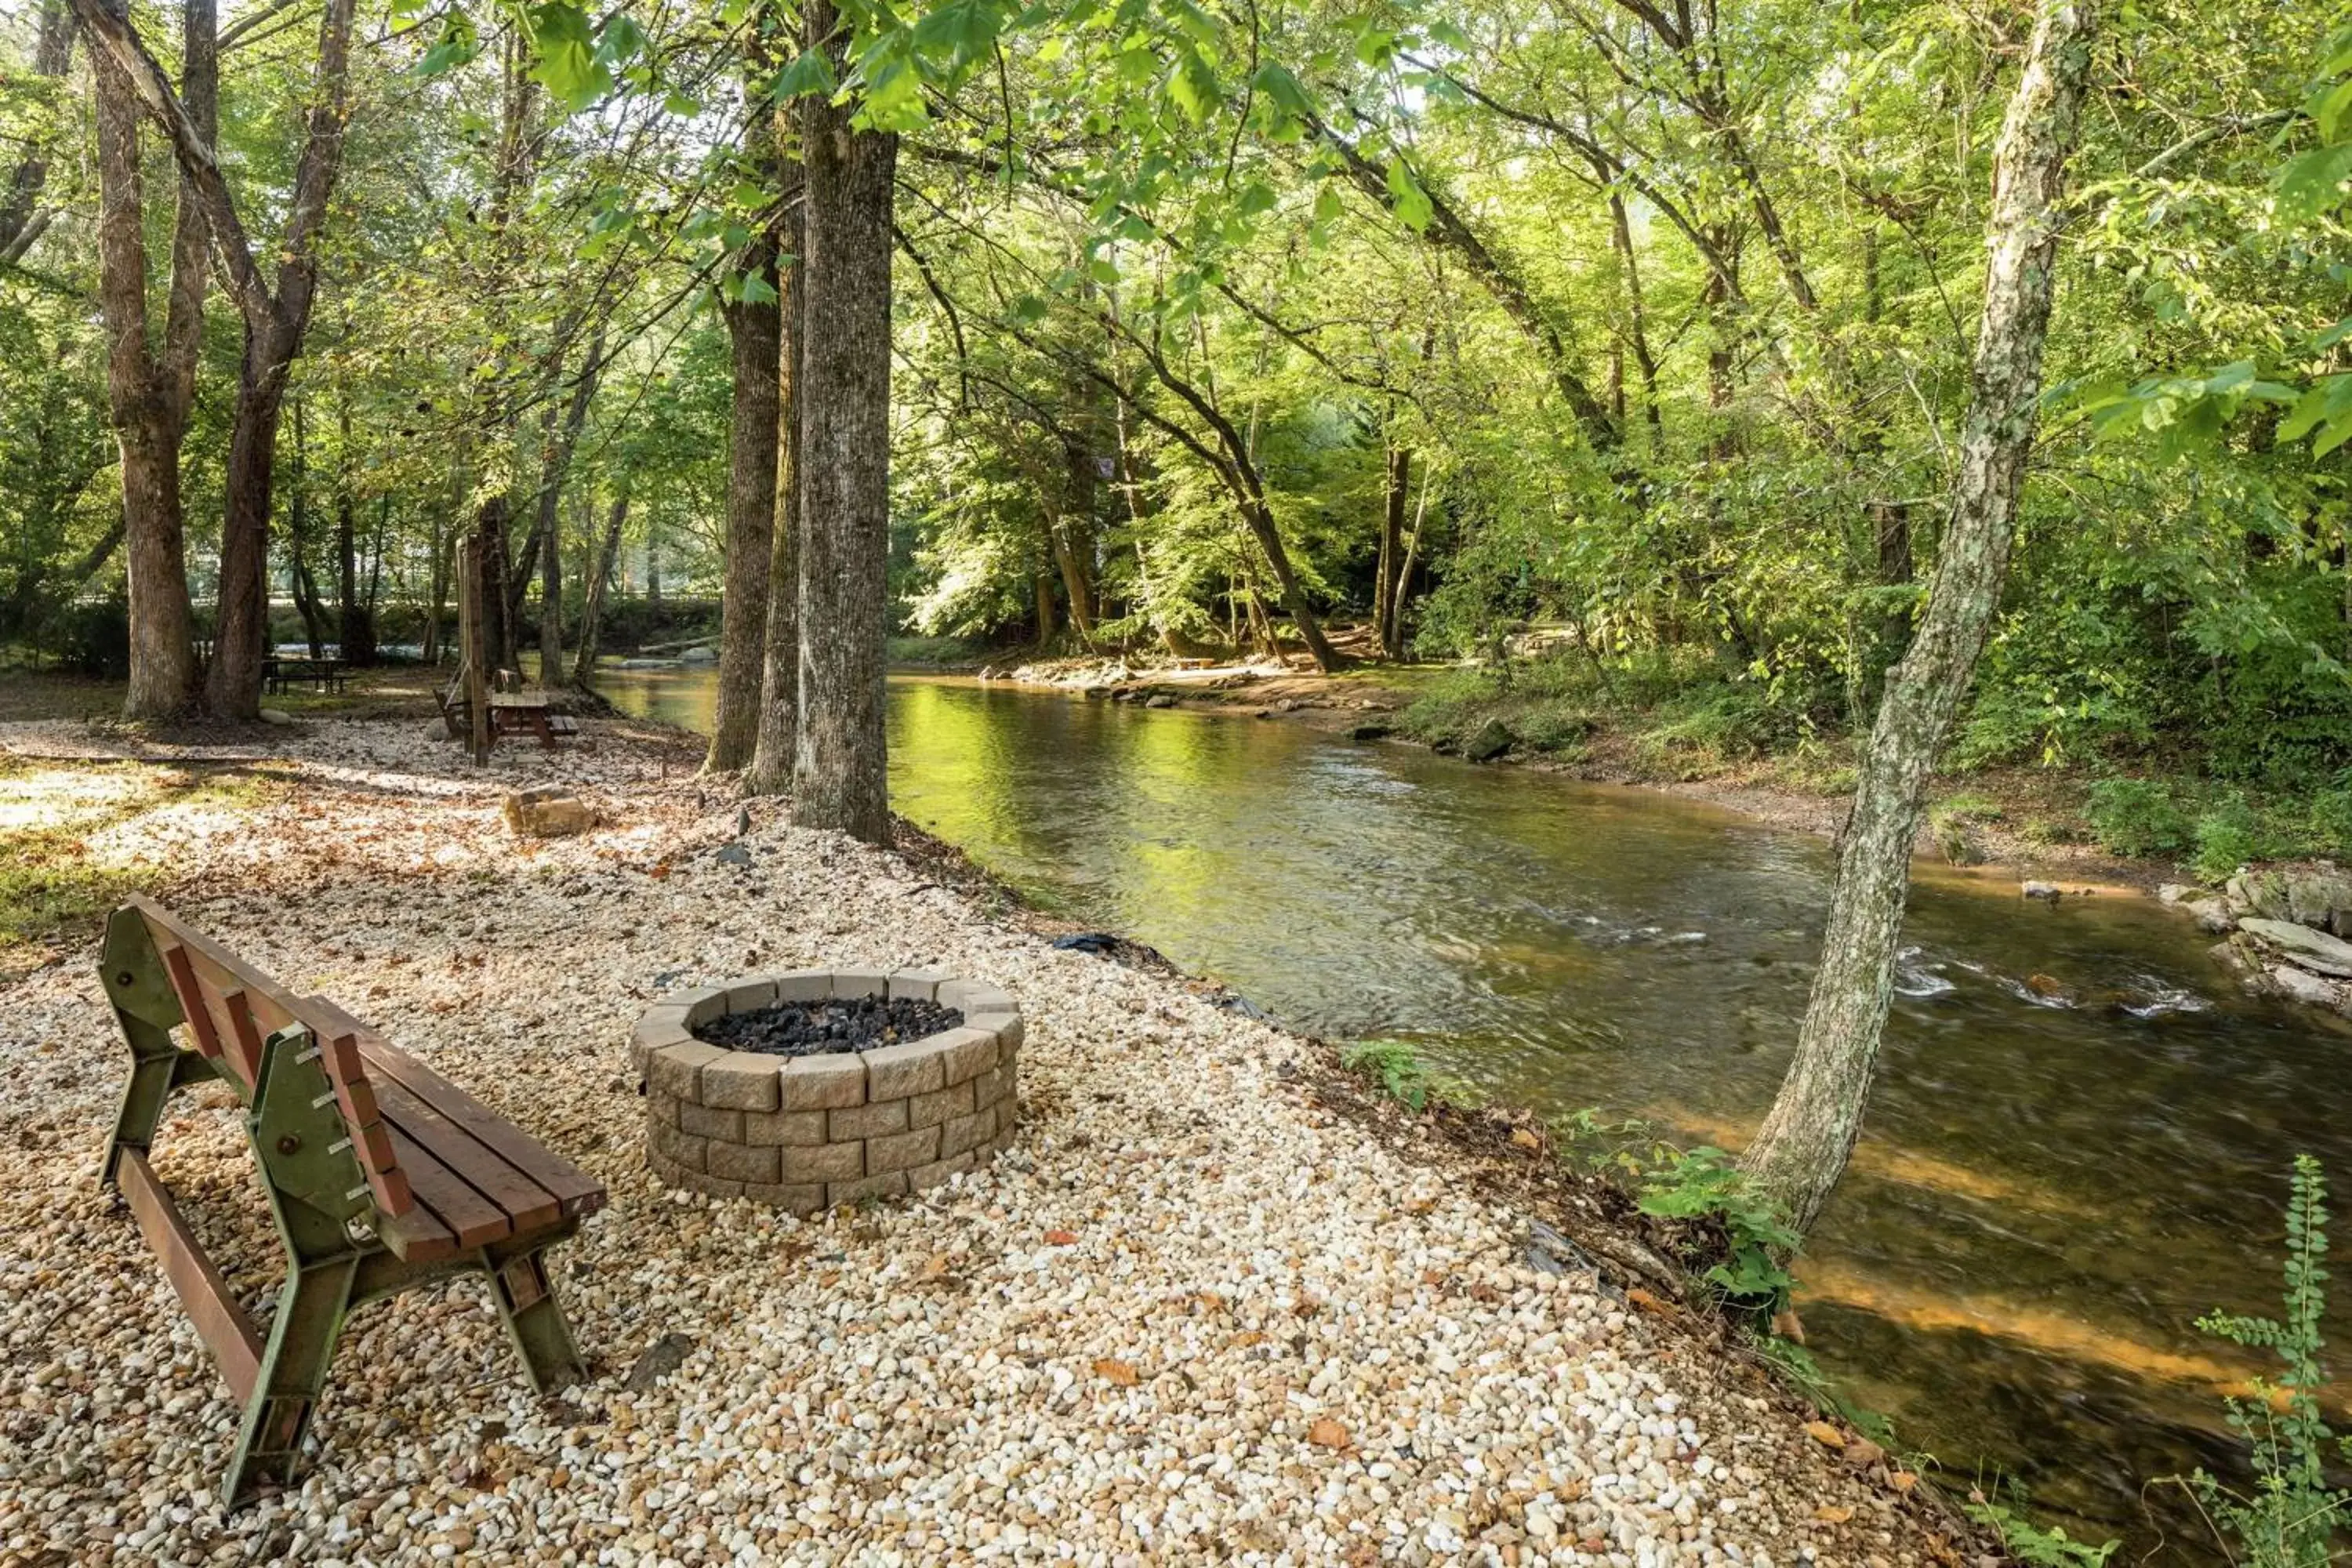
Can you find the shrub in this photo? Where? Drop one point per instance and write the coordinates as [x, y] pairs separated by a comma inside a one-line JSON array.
[[2290, 1518], [1704, 1185], [2136, 818], [1397, 1068], [2228, 835]]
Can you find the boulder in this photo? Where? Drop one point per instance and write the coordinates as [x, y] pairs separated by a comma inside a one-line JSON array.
[[1160, 699], [550, 811], [2213, 915], [2320, 898], [700, 653], [1493, 739], [276, 716], [2298, 986], [2263, 893], [2174, 893], [2302, 946]]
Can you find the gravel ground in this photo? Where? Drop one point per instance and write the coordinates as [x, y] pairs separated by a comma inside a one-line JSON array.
[[1192, 1317]]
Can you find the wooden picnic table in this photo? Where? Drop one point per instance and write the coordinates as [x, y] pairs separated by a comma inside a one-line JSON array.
[[278, 672], [530, 713]]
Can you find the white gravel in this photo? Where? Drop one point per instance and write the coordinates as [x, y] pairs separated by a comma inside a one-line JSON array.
[[1271, 1340]]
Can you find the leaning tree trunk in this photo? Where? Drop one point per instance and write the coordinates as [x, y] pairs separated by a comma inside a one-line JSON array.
[[771, 769], [591, 607], [1805, 1142], [840, 765], [754, 330]]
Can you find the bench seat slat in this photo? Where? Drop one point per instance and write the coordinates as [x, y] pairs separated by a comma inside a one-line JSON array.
[[577, 1192], [528, 1204], [476, 1221]]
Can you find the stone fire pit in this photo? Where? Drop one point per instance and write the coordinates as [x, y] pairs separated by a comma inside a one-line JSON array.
[[807, 1132]]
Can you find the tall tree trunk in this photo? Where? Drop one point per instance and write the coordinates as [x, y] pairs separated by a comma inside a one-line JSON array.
[[840, 773], [771, 768], [591, 608], [1807, 1138], [150, 394], [555, 467], [1043, 583], [1385, 607], [299, 578], [755, 333], [356, 611]]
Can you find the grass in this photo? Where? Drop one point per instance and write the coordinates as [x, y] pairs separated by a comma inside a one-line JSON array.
[[56, 884]]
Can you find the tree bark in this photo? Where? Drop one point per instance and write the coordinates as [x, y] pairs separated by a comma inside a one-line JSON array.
[[299, 577], [150, 394], [356, 631], [771, 768], [1386, 609], [1807, 1138], [755, 332], [591, 608], [840, 773]]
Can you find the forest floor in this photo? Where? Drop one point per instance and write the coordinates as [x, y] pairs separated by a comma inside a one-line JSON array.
[[1217, 1304]]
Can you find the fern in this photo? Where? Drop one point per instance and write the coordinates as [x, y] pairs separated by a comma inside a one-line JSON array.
[[2292, 1514]]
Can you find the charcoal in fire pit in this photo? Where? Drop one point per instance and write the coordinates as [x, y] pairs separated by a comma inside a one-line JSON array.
[[844, 1023]]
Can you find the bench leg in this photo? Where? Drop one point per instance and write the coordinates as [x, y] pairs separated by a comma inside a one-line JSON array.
[[146, 1007], [293, 1375], [534, 1319]]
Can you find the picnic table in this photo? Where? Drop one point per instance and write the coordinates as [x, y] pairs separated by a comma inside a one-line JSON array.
[[530, 713], [278, 672], [381, 1174]]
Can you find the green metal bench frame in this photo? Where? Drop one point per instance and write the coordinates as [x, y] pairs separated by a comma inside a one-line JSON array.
[[336, 1170]]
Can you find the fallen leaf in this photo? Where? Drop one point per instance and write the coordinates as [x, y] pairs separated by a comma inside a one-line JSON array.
[[1327, 1433], [1525, 1139], [1826, 1435], [1245, 1338], [1863, 1452], [1061, 1237], [1903, 1480], [1829, 1515], [1648, 1302], [1118, 1372]]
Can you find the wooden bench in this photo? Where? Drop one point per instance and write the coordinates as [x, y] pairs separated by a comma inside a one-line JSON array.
[[381, 1174]]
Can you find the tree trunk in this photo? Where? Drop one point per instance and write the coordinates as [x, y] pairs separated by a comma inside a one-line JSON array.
[[1043, 582], [840, 773], [771, 768], [592, 609], [1807, 1138], [755, 332], [150, 395], [356, 613], [1385, 606], [22, 217], [299, 578]]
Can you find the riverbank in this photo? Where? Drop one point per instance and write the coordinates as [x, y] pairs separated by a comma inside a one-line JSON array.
[[2090, 830], [1275, 1329]]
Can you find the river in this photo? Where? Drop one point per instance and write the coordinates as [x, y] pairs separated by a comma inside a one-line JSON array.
[[2052, 1187]]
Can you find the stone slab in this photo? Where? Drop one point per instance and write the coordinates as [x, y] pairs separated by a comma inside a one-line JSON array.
[[823, 1082], [710, 1122], [902, 1151], [930, 1109], [677, 1069], [742, 1080], [739, 1163], [967, 1052], [822, 1163], [877, 1120], [798, 1129], [849, 982], [911, 1067]]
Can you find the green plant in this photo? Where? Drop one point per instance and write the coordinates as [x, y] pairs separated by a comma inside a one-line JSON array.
[[2228, 835], [1949, 820], [2136, 818], [2291, 1516], [1749, 1237], [2025, 1542], [1401, 1075]]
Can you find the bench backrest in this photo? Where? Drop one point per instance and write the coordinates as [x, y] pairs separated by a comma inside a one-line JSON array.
[[230, 1008]]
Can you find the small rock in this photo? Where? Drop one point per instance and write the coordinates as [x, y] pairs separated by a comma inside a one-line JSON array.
[[733, 855], [276, 716], [550, 811], [2298, 985], [2048, 891], [2174, 893], [658, 1359], [1493, 739], [1161, 701], [2214, 916], [1371, 732]]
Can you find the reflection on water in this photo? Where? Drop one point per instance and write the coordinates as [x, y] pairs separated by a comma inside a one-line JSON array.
[[2055, 1182]]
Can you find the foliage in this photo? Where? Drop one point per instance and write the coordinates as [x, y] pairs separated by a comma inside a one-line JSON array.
[[2036, 1546], [1397, 1068], [2138, 817], [1706, 1185], [2291, 1517]]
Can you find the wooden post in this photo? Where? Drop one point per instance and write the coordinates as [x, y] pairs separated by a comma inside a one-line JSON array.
[[470, 650]]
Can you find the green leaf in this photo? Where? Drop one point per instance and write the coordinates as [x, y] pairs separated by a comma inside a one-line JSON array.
[[566, 49], [1281, 88], [2314, 183], [680, 105], [757, 290], [1329, 207], [1412, 204], [1193, 85], [810, 73]]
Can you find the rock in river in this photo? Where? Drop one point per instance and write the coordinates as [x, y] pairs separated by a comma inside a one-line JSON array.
[[2302, 946], [1493, 739]]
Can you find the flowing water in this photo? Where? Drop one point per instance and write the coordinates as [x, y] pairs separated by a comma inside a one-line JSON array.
[[2081, 1133]]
